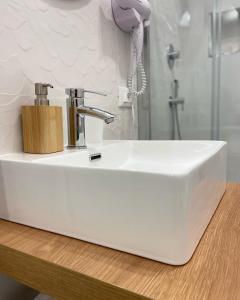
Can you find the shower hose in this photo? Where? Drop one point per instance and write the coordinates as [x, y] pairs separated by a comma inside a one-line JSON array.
[[176, 122]]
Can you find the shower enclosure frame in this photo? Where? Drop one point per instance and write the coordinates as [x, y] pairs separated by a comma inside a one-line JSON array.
[[216, 33]]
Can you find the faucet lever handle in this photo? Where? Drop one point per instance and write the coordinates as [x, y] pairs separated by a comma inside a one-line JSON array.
[[96, 93], [79, 93]]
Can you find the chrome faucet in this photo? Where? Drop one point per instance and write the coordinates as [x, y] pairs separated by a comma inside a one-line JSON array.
[[76, 112]]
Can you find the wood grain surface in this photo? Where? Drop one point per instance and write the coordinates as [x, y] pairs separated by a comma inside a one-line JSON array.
[[42, 129], [68, 269]]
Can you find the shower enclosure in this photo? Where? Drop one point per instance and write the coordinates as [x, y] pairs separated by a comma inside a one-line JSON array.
[[207, 35]]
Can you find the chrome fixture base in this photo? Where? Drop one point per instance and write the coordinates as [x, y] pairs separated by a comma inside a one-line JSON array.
[[77, 147]]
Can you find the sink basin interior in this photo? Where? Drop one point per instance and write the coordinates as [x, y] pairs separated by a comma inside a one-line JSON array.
[[160, 157]]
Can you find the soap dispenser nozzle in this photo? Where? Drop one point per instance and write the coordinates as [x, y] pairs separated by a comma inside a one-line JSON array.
[[41, 91]]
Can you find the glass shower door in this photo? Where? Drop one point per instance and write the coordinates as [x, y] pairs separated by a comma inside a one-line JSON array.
[[207, 35], [230, 86], [185, 25]]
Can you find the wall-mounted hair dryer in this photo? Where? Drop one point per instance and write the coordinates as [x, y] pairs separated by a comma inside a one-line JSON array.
[[132, 16], [129, 14]]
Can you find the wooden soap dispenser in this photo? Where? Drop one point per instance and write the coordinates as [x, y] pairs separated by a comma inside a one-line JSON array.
[[42, 124]]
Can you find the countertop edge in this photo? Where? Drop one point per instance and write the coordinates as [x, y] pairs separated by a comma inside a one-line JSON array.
[[46, 277]]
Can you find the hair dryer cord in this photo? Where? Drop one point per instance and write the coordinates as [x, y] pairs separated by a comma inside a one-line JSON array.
[[132, 91]]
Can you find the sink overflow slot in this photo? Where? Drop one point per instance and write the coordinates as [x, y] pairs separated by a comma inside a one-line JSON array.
[[93, 157]]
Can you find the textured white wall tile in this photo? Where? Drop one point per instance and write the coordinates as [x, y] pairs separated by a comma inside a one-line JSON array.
[[66, 43]]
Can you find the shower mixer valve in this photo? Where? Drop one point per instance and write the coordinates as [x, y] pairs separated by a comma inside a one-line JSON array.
[[178, 101]]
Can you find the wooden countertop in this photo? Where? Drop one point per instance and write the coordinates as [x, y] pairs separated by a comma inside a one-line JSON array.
[[68, 269]]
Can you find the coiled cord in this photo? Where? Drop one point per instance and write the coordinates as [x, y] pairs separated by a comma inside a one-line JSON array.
[[132, 91]]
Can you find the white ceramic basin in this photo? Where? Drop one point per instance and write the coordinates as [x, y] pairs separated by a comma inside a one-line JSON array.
[[153, 199]]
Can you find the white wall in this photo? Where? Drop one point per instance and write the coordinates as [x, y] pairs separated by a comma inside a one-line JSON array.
[[67, 43]]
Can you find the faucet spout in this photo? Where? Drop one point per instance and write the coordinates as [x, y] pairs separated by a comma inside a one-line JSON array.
[[96, 113]]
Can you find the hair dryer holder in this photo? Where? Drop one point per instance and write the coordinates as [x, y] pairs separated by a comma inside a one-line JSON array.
[[126, 19]]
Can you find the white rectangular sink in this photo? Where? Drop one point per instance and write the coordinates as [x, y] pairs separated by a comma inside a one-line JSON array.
[[154, 199]]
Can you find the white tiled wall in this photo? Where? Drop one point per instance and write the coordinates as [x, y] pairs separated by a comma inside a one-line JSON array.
[[67, 43]]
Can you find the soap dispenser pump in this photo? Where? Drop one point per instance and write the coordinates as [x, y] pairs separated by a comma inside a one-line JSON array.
[[41, 91], [42, 124]]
